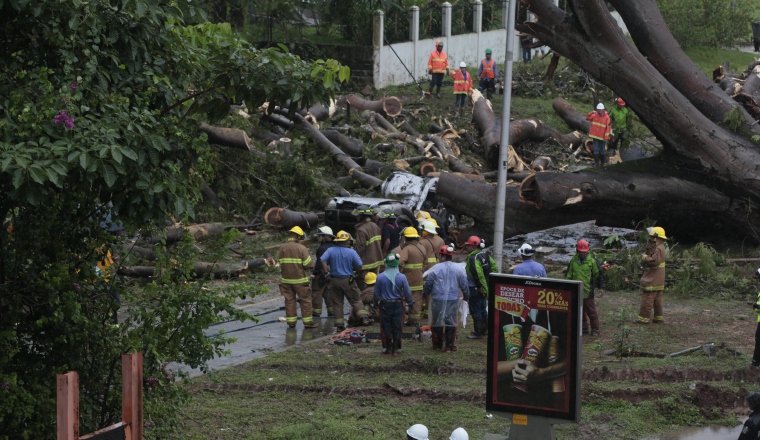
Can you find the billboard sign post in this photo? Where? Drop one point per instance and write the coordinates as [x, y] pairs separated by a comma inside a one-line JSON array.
[[534, 353]]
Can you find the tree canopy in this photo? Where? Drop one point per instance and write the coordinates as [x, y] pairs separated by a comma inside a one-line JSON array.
[[100, 107]]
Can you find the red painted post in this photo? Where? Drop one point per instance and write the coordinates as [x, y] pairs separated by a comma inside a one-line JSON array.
[[67, 406], [132, 393]]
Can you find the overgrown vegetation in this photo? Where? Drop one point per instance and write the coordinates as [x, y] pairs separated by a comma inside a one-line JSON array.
[[709, 23]]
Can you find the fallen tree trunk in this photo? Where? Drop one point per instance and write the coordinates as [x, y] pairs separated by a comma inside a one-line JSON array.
[[285, 219], [198, 232], [458, 166], [572, 117], [365, 179], [200, 269], [335, 153], [226, 137], [144, 253], [611, 197], [390, 106], [211, 196], [352, 146]]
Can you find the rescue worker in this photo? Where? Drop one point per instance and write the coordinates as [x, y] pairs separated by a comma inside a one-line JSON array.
[[528, 267], [440, 224], [431, 241], [341, 262], [389, 231], [756, 307], [417, 432], [583, 267], [438, 64], [622, 124], [367, 243], [445, 283], [459, 434], [368, 296], [294, 260], [488, 73], [751, 429], [462, 86], [653, 279], [412, 258], [318, 276], [599, 132], [390, 292], [478, 266]]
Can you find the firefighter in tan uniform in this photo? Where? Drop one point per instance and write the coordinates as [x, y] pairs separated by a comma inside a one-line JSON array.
[[433, 243], [294, 260], [653, 279], [413, 257], [368, 243], [368, 295]]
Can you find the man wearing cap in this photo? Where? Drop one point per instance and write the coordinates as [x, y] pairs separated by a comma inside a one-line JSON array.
[[438, 65], [391, 289], [751, 429], [478, 266], [444, 283], [294, 260], [488, 73], [341, 262], [412, 258], [318, 276], [462, 86], [367, 244], [528, 267], [389, 230], [583, 267], [653, 278], [622, 124], [599, 132]]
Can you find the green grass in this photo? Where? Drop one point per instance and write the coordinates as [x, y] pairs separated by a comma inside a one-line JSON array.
[[707, 59]]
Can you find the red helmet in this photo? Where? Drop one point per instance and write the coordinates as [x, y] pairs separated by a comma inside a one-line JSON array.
[[476, 241], [582, 246], [620, 102], [446, 249]]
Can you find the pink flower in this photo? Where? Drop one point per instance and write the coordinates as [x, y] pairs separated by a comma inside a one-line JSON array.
[[73, 85], [63, 118]]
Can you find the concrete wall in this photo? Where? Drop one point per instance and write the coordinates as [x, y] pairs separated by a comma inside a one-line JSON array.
[[388, 67]]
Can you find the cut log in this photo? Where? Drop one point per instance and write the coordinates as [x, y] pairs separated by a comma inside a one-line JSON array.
[[541, 163], [365, 179], [373, 167], [258, 262], [352, 146], [200, 269], [318, 112], [279, 120], [226, 137], [211, 196], [441, 145], [407, 128], [285, 218], [517, 177], [198, 232], [427, 168], [752, 83], [572, 117], [458, 166], [419, 159], [389, 107], [335, 153], [144, 253], [387, 126]]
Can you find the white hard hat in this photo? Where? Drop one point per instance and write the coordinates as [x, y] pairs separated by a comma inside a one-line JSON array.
[[418, 432], [526, 250], [462, 64], [459, 434], [600, 106], [428, 227], [325, 230]]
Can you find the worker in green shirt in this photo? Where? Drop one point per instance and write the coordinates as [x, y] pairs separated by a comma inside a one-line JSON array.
[[622, 124]]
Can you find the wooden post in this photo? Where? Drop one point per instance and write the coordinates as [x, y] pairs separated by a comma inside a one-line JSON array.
[[132, 393], [67, 403]]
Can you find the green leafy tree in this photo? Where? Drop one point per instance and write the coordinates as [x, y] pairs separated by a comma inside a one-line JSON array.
[[710, 23], [100, 105]]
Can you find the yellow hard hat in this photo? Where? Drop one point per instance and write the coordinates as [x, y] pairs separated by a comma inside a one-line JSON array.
[[370, 278], [410, 232], [342, 236], [423, 214], [296, 230], [657, 232]]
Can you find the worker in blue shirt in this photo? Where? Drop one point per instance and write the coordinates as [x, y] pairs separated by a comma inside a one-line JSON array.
[[343, 262], [528, 267], [446, 282], [391, 288]]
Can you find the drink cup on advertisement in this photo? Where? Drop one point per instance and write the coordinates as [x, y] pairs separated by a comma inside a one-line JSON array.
[[558, 383], [513, 341], [538, 341]]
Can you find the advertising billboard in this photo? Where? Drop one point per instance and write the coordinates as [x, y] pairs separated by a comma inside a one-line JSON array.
[[534, 347]]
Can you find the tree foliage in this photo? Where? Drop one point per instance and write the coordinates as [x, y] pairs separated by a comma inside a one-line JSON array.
[[711, 23], [100, 105]]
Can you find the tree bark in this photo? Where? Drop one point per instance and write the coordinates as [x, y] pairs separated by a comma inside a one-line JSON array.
[[285, 219], [390, 106], [337, 155], [144, 253], [200, 269], [226, 137], [352, 146], [365, 179], [211, 196], [572, 117]]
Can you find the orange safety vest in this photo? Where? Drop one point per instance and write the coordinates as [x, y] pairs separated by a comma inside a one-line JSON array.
[[487, 68], [600, 126], [438, 62], [462, 84]]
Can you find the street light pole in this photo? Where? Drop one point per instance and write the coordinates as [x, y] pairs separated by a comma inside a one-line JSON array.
[[501, 183]]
